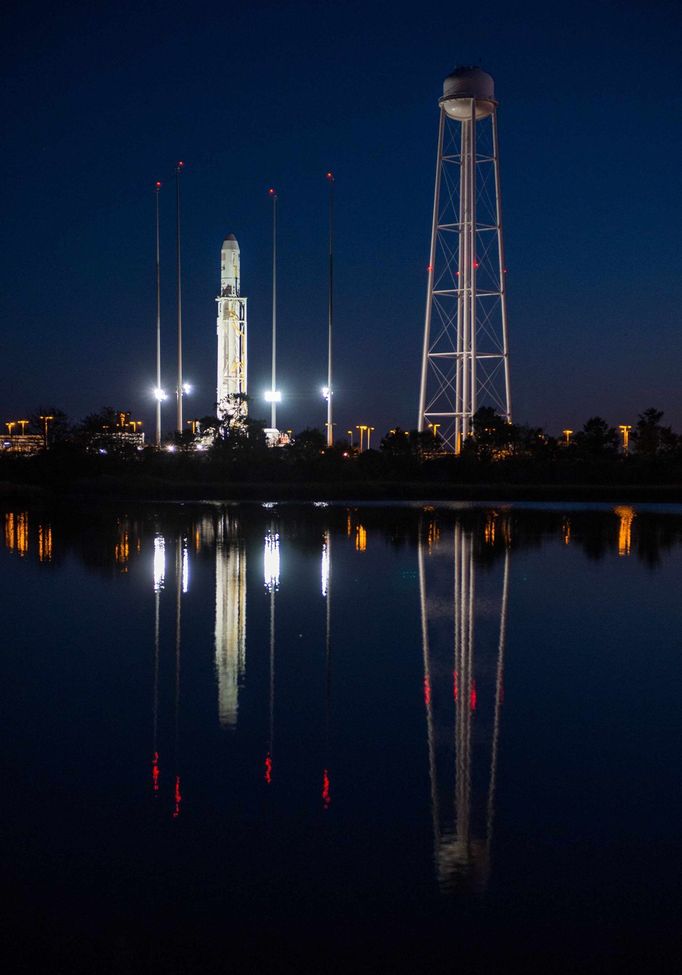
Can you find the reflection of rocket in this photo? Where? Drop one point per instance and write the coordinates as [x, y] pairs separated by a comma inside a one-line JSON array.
[[232, 357], [230, 619], [159, 566], [459, 849], [271, 583], [327, 593]]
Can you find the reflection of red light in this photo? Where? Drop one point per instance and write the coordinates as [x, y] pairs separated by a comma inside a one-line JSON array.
[[429, 268], [155, 772], [455, 685], [476, 264], [268, 768], [473, 697], [158, 184], [178, 797], [326, 796], [427, 691]]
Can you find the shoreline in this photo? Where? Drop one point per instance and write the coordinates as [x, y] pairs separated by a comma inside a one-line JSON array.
[[112, 489]]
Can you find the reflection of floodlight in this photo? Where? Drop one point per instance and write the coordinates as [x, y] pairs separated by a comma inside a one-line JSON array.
[[325, 392], [159, 395], [159, 562], [271, 561], [186, 388], [325, 568], [185, 566], [272, 396]]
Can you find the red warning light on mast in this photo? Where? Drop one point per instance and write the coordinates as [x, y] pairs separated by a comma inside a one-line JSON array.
[[330, 176]]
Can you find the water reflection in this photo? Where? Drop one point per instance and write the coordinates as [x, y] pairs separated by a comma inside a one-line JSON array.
[[462, 570], [230, 616], [626, 516], [327, 593], [463, 644], [271, 583]]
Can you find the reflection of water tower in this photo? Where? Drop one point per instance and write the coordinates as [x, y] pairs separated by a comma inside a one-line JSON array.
[[462, 693], [230, 617], [465, 358]]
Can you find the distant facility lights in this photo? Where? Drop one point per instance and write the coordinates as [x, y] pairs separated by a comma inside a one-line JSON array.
[[272, 396]]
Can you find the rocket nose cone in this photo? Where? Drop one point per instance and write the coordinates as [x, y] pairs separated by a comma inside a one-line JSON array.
[[230, 243]]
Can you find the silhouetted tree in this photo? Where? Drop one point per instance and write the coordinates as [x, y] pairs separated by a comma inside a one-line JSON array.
[[597, 440], [650, 437], [104, 419], [59, 428], [400, 443]]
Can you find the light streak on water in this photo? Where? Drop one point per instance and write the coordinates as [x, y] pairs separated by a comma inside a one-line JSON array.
[[159, 562]]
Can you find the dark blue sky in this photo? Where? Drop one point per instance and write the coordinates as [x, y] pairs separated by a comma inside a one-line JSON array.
[[100, 100]]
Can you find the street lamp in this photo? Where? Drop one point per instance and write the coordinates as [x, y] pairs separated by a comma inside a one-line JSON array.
[[567, 436], [23, 424], [369, 436], [624, 428], [350, 434], [10, 426], [46, 421]]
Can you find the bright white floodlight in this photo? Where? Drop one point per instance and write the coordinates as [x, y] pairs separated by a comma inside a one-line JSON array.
[[325, 392], [159, 395], [272, 396], [186, 388]]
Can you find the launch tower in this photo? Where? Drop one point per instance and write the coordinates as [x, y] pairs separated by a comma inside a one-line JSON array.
[[232, 358]]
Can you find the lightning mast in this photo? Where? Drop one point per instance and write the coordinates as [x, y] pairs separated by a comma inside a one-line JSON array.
[[178, 269], [158, 393], [330, 313]]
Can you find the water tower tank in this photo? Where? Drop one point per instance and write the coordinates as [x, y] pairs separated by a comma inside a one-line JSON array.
[[463, 84]]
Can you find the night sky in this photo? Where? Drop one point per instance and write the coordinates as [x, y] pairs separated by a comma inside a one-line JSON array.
[[100, 100]]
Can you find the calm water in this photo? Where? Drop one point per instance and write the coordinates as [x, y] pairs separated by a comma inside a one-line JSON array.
[[296, 738]]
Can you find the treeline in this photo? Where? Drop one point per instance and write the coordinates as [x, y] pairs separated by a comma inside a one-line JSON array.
[[495, 453]]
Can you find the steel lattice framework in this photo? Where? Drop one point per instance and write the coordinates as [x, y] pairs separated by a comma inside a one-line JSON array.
[[465, 360]]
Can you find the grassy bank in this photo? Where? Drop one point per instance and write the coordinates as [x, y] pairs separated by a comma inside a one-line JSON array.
[[113, 488]]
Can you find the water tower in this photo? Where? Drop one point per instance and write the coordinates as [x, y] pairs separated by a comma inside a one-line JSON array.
[[465, 359]]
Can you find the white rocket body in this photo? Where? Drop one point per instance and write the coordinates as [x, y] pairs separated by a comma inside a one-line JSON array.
[[232, 336]]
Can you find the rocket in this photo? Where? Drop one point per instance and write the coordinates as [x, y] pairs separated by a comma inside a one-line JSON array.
[[231, 328], [229, 267]]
